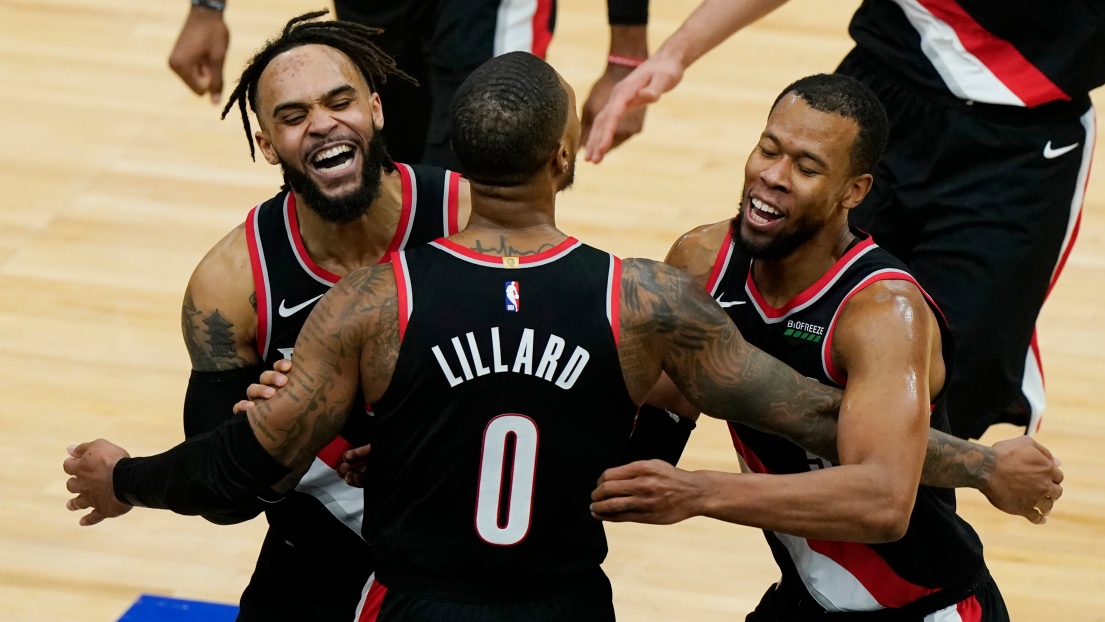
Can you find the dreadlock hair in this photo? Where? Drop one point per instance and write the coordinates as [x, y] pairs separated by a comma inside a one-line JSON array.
[[352, 39]]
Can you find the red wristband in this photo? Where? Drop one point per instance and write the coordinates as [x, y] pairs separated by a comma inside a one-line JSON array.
[[624, 61]]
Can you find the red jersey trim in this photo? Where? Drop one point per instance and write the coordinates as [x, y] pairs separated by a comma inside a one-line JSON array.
[[1015, 71], [772, 315], [493, 261], [406, 216], [749, 457], [541, 33], [614, 298], [969, 610], [872, 571], [291, 222], [889, 274], [260, 283], [332, 453], [452, 202], [372, 601], [403, 288], [721, 263]]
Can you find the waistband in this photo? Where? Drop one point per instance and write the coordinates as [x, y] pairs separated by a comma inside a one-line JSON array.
[[590, 584], [865, 67]]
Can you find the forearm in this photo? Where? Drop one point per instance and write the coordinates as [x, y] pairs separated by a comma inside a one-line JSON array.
[[629, 41], [211, 396], [711, 23], [219, 471], [952, 462], [848, 503]]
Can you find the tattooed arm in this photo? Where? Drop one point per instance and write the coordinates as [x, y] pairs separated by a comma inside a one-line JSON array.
[[219, 314], [668, 323]]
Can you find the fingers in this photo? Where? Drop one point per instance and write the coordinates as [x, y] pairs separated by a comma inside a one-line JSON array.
[[93, 517], [260, 391], [283, 366], [616, 506], [357, 454], [1055, 492], [80, 502], [631, 470], [1044, 450], [274, 378], [243, 406], [72, 485]]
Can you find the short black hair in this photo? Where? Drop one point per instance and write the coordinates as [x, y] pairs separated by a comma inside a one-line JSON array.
[[507, 119], [352, 39], [851, 99]]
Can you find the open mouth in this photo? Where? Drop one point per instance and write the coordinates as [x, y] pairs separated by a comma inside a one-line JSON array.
[[334, 159], [761, 213]]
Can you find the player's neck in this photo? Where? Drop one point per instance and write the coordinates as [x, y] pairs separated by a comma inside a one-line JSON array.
[[343, 247], [780, 280], [511, 220]]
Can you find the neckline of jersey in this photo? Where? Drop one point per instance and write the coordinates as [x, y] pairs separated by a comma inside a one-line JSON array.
[[553, 253], [812, 292], [396, 241]]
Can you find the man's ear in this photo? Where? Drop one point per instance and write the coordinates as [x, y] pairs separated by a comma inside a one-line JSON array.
[[563, 158], [266, 148], [857, 189], [377, 111]]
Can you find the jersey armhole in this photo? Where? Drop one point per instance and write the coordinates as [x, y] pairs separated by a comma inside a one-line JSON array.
[[403, 287], [260, 283], [614, 298], [721, 263], [889, 274]]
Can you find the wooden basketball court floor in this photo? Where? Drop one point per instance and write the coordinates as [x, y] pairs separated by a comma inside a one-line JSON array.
[[115, 181]]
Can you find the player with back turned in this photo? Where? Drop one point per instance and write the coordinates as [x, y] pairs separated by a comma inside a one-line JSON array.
[[503, 383]]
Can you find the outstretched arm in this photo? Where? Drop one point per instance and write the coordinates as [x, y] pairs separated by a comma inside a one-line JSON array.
[[711, 23], [246, 458]]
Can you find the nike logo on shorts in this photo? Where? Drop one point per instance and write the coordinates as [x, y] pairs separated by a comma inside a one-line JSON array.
[[1051, 154], [290, 311]]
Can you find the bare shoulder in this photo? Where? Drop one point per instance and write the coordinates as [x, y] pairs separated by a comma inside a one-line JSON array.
[[219, 314], [886, 317], [695, 251]]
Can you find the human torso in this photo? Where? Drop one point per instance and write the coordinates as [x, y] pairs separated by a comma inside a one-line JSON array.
[[324, 514], [940, 554], [506, 404], [1019, 53]]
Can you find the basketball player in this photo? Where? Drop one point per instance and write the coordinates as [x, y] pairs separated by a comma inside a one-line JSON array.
[[824, 298], [347, 205], [438, 42], [532, 353], [980, 191]]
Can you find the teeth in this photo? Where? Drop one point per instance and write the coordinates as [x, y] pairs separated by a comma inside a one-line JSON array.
[[339, 167], [331, 152], [764, 207]]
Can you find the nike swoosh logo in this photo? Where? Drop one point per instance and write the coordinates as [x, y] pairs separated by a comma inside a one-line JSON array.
[[1051, 154], [731, 303], [290, 311]]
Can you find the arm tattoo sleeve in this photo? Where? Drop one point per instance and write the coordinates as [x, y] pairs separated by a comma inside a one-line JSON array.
[[717, 370], [210, 338], [952, 462]]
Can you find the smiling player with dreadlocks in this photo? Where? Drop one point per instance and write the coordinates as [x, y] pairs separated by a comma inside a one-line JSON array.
[[345, 205]]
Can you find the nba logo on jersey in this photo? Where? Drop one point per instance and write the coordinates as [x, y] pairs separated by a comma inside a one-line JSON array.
[[512, 298]]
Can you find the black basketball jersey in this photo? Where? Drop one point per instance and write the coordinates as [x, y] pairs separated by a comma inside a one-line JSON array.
[[323, 514], [1016, 53], [506, 405], [940, 555]]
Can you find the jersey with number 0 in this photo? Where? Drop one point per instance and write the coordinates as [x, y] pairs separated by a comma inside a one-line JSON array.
[[323, 514], [506, 405], [940, 557]]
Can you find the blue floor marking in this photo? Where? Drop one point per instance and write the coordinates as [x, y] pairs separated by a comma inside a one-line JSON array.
[[161, 609]]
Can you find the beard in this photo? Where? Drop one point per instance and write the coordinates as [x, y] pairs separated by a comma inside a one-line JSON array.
[[351, 205], [571, 177], [782, 245]]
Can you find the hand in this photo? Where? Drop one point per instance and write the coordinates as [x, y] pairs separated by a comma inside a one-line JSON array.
[[1025, 480], [91, 465], [629, 124], [644, 85], [352, 467], [200, 51], [265, 388], [648, 491]]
